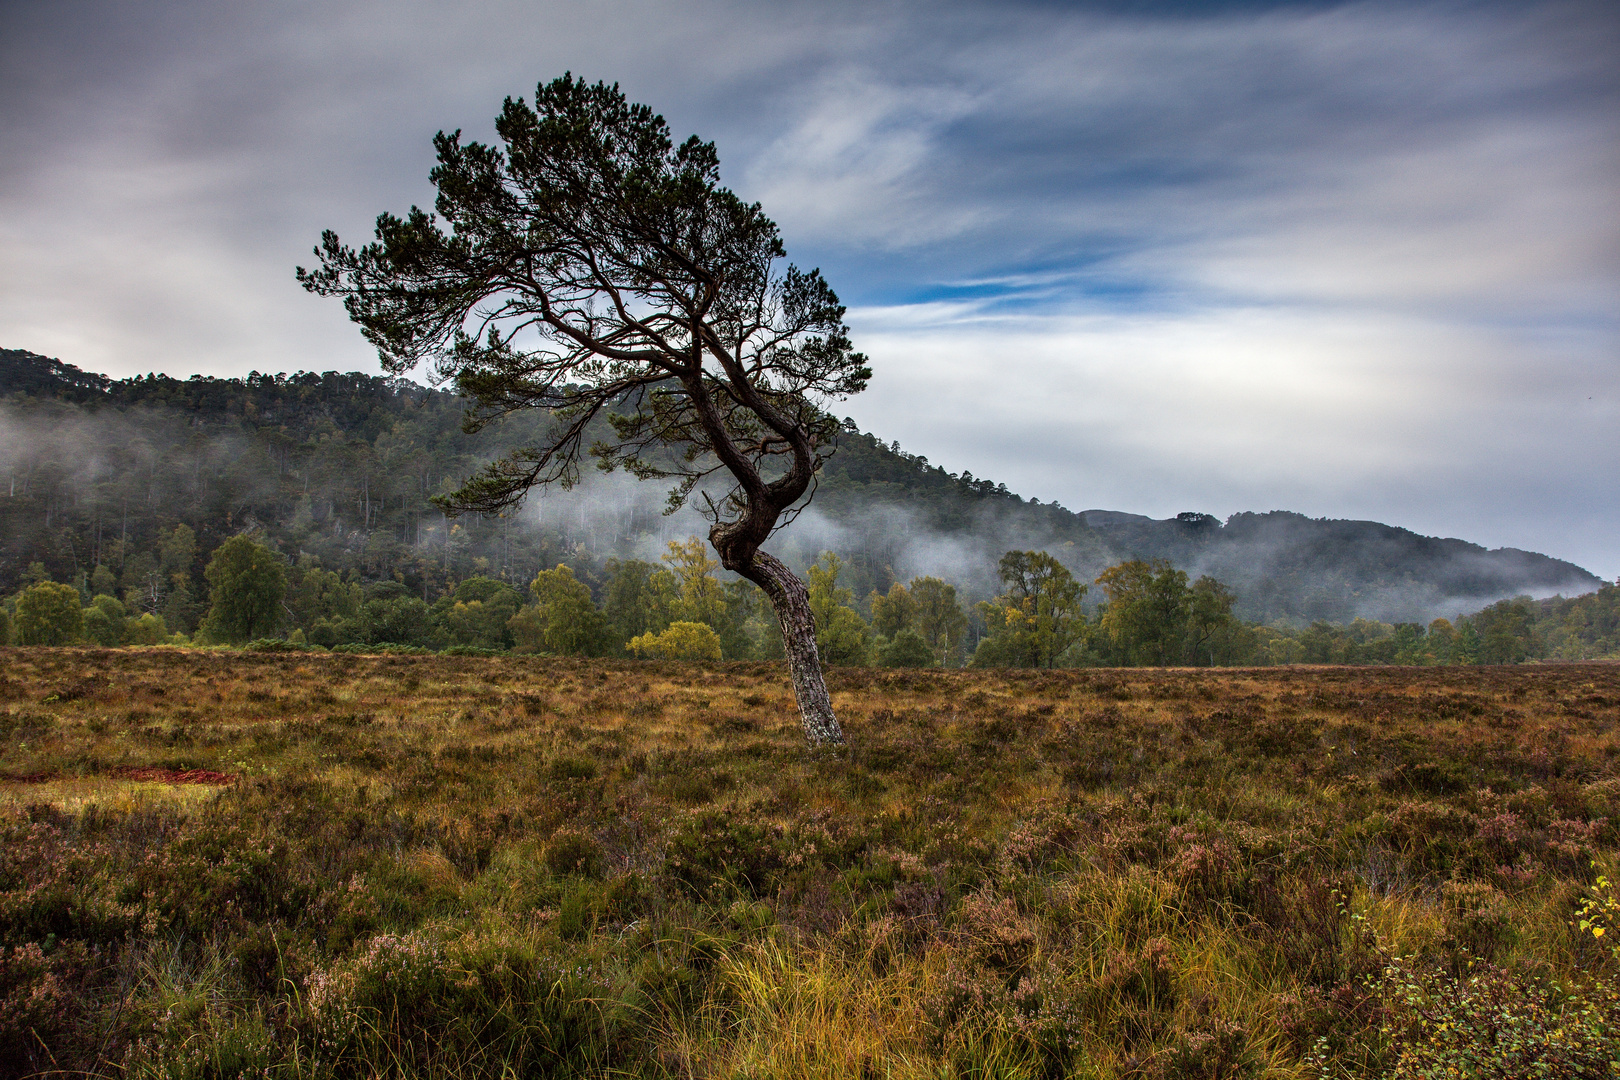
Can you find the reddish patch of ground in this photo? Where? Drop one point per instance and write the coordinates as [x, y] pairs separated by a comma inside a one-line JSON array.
[[159, 775], [143, 773]]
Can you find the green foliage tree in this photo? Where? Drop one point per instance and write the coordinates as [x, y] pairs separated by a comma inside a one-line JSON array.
[[5, 626], [691, 591], [842, 636], [178, 550], [1582, 627], [1507, 632], [1466, 649], [1442, 641], [654, 295], [629, 604], [906, 649], [1145, 619], [1274, 645], [1407, 645], [564, 619], [928, 608], [49, 613], [390, 615], [104, 621], [316, 595], [181, 609], [177, 558], [103, 582], [149, 629], [1213, 635], [478, 613], [938, 617], [1039, 617], [1319, 644], [750, 630], [892, 613], [142, 583], [246, 585]]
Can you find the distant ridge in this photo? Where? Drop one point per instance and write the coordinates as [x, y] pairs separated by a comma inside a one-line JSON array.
[[1386, 571], [341, 465]]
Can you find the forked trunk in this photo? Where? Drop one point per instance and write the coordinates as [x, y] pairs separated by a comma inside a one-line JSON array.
[[791, 600]]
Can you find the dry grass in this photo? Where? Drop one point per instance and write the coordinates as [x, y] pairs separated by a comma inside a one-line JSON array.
[[468, 866]]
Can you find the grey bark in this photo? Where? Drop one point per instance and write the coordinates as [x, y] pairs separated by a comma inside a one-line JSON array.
[[791, 601]]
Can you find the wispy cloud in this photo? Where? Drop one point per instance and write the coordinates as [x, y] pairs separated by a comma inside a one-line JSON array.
[[1353, 259]]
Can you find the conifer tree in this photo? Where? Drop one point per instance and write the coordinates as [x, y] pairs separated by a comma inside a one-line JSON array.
[[586, 266]]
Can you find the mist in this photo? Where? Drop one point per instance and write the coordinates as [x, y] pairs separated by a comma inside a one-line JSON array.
[[341, 470]]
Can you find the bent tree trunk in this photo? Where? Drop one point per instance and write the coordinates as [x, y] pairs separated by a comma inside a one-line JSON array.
[[791, 600]]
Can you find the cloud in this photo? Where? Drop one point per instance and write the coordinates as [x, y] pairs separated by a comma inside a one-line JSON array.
[[1400, 156], [868, 145], [1352, 259], [1439, 427]]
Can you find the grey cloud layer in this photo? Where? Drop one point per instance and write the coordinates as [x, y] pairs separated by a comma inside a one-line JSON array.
[[1350, 259]]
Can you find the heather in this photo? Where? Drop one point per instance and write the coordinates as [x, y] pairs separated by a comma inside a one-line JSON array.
[[306, 864]]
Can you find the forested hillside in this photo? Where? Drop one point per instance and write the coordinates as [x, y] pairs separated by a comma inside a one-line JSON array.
[[135, 482]]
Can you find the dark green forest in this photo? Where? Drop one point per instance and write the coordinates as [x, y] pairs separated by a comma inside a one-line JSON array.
[[127, 491]]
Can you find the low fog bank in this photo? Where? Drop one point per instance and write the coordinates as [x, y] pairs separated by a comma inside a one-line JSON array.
[[1283, 567], [877, 543]]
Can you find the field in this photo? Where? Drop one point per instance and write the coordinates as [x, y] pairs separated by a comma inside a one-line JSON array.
[[221, 863]]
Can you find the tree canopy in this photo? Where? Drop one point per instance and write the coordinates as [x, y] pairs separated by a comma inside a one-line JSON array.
[[246, 583], [593, 265], [1039, 617], [49, 614], [109, 472]]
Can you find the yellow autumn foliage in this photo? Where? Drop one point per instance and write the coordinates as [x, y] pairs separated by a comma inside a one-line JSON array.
[[691, 641]]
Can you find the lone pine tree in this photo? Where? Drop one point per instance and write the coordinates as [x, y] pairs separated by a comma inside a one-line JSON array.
[[589, 266]]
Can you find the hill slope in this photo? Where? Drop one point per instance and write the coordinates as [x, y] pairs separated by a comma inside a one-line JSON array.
[[341, 466], [1283, 564]]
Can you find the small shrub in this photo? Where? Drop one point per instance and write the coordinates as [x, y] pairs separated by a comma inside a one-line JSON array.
[[26, 726], [1214, 1049], [570, 767], [196, 1039], [572, 851], [907, 649], [485, 1004], [469, 650], [1478, 919], [40, 1002], [697, 786], [715, 853], [277, 645], [1207, 869], [994, 935], [1496, 1025], [1598, 917]]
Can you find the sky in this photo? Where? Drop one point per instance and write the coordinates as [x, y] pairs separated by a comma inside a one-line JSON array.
[[1352, 260]]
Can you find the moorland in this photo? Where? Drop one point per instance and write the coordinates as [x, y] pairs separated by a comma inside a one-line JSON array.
[[228, 863]]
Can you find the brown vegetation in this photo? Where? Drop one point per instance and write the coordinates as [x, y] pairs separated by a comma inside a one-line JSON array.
[[458, 865]]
